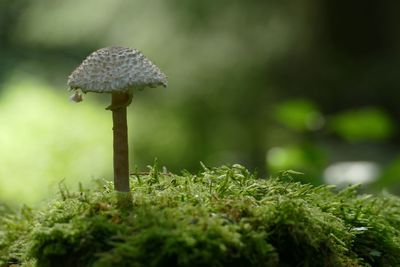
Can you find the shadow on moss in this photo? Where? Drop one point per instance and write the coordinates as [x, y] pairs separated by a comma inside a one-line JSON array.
[[221, 217]]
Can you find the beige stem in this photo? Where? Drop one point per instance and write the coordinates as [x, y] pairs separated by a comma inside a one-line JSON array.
[[120, 132]]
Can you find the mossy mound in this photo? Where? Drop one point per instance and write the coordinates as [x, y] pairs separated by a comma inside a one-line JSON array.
[[221, 217]]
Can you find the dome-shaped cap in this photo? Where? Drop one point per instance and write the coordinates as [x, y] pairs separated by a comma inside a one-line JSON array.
[[116, 69]]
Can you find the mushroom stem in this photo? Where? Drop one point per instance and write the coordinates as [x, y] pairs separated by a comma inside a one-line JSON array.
[[120, 133]]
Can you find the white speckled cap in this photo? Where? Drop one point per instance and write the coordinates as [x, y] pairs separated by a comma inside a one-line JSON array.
[[116, 69]]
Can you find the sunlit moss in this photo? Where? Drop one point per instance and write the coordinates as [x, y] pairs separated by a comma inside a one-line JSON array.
[[220, 217]]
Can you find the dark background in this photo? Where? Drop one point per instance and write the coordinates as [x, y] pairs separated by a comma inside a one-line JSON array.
[[305, 85]]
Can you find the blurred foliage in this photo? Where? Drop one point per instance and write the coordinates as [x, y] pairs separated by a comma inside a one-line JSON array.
[[316, 79], [363, 125], [299, 115], [390, 177]]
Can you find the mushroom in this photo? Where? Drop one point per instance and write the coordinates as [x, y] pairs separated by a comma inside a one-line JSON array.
[[116, 70]]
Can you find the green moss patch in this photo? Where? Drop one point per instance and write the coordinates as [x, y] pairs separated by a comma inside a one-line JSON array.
[[221, 217]]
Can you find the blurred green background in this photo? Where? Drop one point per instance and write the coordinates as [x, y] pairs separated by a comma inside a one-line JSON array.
[[308, 85]]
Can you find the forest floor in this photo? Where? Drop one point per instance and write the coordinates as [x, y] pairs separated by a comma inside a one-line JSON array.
[[222, 216]]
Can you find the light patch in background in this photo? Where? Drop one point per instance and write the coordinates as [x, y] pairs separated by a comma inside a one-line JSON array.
[[351, 125], [45, 138], [290, 157], [277, 156], [354, 172], [300, 115]]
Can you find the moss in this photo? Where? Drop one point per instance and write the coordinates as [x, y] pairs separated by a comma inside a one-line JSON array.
[[221, 217]]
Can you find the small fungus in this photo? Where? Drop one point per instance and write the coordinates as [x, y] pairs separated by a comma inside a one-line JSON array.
[[116, 70]]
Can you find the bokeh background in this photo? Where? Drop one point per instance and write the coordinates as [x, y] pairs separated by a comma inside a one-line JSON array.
[[308, 85]]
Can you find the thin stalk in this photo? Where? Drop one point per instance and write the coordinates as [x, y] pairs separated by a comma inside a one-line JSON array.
[[120, 141]]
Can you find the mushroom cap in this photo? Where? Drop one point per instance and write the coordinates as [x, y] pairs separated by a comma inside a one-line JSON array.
[[116, 69]]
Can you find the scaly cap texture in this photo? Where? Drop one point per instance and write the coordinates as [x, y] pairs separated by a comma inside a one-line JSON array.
[[116, 69]]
